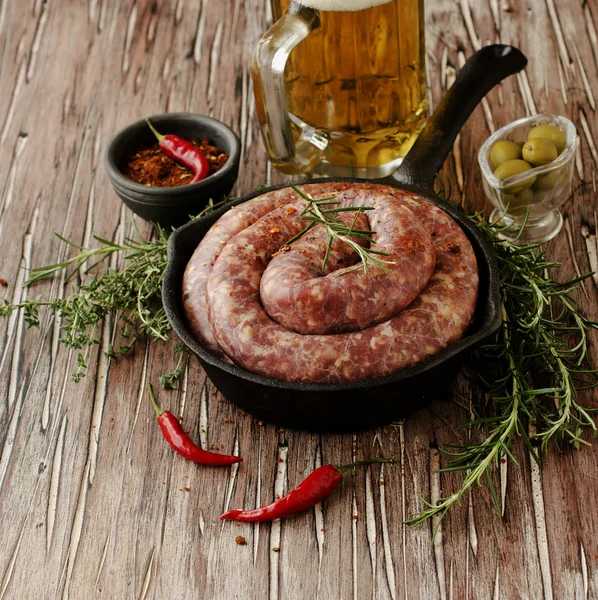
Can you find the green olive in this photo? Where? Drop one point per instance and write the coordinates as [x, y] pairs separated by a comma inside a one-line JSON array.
[[525, 197], [512, 168], [551, 133], [519, 203], [539, 152], [503, 151], [544, 183]]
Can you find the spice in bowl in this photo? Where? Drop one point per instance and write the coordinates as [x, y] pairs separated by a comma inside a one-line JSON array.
[[173, 161]]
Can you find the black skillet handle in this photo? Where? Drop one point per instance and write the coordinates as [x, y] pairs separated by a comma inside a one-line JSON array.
[[479, 75]]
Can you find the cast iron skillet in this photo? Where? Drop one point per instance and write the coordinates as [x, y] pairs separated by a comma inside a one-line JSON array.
[[369, 403]]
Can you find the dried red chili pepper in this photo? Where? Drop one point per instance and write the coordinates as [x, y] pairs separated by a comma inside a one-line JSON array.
[[314, 488], [183, 152], [173, 433]]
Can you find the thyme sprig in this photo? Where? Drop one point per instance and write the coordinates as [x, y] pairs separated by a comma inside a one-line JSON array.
[[323, 212], [169, 381], [534, 370], [131, 295]]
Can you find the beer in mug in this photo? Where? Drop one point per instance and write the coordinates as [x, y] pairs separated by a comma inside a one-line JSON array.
[[340, 85]]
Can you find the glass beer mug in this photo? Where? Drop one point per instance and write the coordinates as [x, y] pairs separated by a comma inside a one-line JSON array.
[[340, 85]]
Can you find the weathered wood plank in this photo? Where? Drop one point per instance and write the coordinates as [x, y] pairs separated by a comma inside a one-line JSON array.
[[92, 503]]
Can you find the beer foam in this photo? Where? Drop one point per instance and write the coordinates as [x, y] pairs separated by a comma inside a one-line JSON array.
[[343, 5]]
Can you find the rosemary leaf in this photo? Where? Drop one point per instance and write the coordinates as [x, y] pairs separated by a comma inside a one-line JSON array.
[[337, 230]]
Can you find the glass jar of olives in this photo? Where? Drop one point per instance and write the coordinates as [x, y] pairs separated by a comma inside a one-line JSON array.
[[527, 169]]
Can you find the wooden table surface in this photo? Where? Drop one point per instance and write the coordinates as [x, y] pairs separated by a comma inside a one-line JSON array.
[[92, 501]]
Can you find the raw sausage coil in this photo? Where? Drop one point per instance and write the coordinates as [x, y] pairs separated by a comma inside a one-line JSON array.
[[285, 318]]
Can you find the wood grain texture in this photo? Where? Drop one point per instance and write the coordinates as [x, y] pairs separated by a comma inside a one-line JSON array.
[[93, 504]]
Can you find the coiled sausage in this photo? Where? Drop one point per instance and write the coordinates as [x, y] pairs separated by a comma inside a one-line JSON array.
[[388, 322]]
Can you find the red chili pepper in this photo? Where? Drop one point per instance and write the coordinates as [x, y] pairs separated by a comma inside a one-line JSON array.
[[173, 433], [314, 488], [183, 152]]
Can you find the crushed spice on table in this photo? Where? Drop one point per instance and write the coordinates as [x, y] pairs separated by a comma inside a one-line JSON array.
[[149, 165]]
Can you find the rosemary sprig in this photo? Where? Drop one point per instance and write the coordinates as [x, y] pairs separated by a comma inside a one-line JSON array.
[[322, 212], [539, 314]]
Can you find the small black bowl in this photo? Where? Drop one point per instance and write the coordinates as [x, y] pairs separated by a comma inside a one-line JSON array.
[[172, 206]]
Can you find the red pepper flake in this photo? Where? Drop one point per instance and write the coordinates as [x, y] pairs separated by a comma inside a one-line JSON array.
[[149, 165], [228, 421], [163, 483], [281, 460], [187, 489], [276, 549], [291, 210], [240, 540], [275, 230], [3, 282]]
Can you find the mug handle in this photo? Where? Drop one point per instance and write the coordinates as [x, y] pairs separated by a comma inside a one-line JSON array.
[[267, 72]]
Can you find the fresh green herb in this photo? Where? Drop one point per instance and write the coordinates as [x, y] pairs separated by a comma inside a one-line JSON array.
[[323, 212], [534, 371], [169, 381], [132, 295]]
